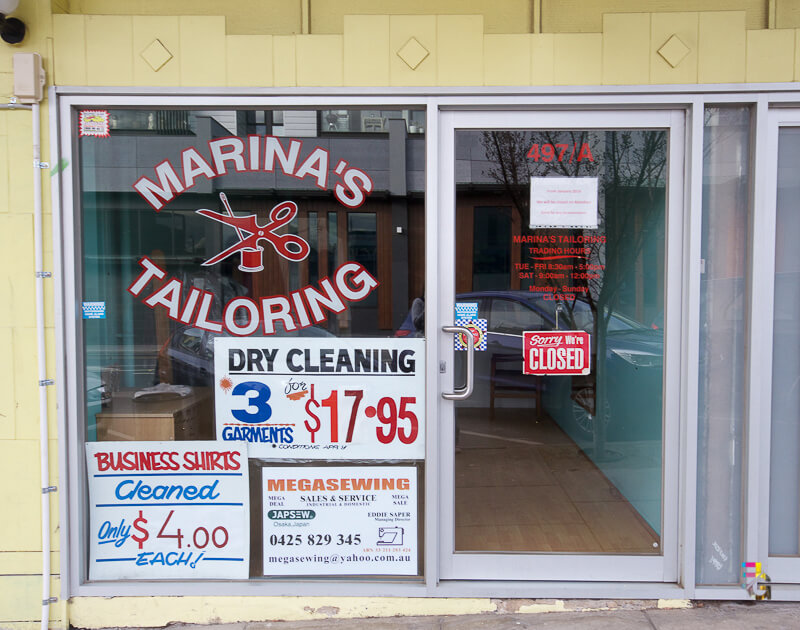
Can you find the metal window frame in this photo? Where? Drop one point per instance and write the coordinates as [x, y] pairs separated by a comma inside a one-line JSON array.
[[692, 98], [782, 570]]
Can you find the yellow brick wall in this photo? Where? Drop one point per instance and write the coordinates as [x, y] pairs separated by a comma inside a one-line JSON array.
[[249, 43]]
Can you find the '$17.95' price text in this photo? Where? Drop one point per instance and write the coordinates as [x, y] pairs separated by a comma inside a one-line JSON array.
[[397, 420], [200, 538]]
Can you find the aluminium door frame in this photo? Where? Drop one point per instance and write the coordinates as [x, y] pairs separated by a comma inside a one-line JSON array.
[[566, 566]]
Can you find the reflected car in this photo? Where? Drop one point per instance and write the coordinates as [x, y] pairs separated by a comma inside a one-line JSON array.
[[187, 357], [633, 365]]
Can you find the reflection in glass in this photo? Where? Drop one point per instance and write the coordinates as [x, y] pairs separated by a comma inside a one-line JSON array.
[[721, 386], [138, 345], [562, 463], [784, 501]]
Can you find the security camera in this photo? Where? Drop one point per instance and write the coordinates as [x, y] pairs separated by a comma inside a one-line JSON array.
[[12, 30]]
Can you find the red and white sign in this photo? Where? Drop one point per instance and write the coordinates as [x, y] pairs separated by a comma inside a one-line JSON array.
[[559, 352], [168, 510], [321, 397], [94, 122], [308, 306]]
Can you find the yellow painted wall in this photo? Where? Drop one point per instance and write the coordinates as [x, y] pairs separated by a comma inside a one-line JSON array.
[[251, 43], [243, 17], [20, 488], [787, 14], [106, 50], [586, 16]]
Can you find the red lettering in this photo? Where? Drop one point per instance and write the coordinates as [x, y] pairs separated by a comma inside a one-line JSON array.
[[102, 461]]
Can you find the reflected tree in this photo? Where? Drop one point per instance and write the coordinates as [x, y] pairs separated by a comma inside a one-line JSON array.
[[631, 169]]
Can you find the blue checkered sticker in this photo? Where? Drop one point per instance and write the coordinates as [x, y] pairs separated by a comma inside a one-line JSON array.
[[94, 310], [478, 328], [466, 310]]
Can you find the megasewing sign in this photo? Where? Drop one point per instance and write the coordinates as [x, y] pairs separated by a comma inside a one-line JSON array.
[[321, 398], [334, 520], [167, 510], [308, 306]]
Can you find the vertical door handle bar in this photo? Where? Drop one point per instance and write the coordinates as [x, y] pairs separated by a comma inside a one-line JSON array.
[[466, 391]]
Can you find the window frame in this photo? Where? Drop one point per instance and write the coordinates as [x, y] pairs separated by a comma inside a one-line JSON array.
[[693, 98]]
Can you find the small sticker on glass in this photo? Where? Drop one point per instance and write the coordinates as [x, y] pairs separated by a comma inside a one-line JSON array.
[[478, 329], [94, 122], [466, 310], [94, 310]]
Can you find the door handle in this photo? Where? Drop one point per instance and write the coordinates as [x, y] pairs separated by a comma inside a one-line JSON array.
[[466, 391]]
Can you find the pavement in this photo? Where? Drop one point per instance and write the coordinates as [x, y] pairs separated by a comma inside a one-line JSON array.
[[626, 616]]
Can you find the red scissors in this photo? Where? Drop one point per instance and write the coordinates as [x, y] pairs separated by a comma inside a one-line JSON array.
[[290, 246]]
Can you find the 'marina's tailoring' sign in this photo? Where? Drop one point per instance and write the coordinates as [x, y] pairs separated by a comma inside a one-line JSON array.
[[310, 305]]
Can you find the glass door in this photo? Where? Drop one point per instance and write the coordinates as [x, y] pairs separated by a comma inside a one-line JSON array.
[[784, 461], [563, 283]]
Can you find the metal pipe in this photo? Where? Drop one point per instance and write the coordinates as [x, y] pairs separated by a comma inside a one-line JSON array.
[[15, 106], [42, 364]]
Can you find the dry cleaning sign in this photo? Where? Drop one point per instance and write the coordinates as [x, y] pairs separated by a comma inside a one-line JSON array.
[[322, 398]]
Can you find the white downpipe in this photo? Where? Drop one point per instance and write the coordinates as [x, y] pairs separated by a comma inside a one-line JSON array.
[[42, 363]]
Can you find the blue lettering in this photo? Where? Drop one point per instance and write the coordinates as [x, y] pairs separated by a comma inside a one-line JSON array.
[[266, 435], [142, 492], [194, 564], [119, 493], [184, 560], [207, 492], [141, 560], [263, 411], [104, 530], [118, 535]]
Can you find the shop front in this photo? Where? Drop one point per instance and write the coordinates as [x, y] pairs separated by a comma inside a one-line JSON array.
[[418, 346]]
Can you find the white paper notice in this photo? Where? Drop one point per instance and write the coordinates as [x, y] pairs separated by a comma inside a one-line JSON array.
[[340, 520], [168, 510], [563, 202], [322, 398]]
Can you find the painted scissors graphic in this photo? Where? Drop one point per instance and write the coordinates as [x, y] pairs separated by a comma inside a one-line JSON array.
[[290, 246]]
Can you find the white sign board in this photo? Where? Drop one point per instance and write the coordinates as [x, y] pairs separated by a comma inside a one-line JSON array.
[[340, 520], [563, 202], [321, 398], [168, 510]]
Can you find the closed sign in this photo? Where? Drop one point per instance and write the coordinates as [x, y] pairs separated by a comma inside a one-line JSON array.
[[558, 352]]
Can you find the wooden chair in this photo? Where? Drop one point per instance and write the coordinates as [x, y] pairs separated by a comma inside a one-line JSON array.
[[510, 382]]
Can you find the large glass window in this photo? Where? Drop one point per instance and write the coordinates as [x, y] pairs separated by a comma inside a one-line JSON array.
[[234, 265]]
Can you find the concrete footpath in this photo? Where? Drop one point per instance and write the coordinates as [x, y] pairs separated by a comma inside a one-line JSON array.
[[620, 616]]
